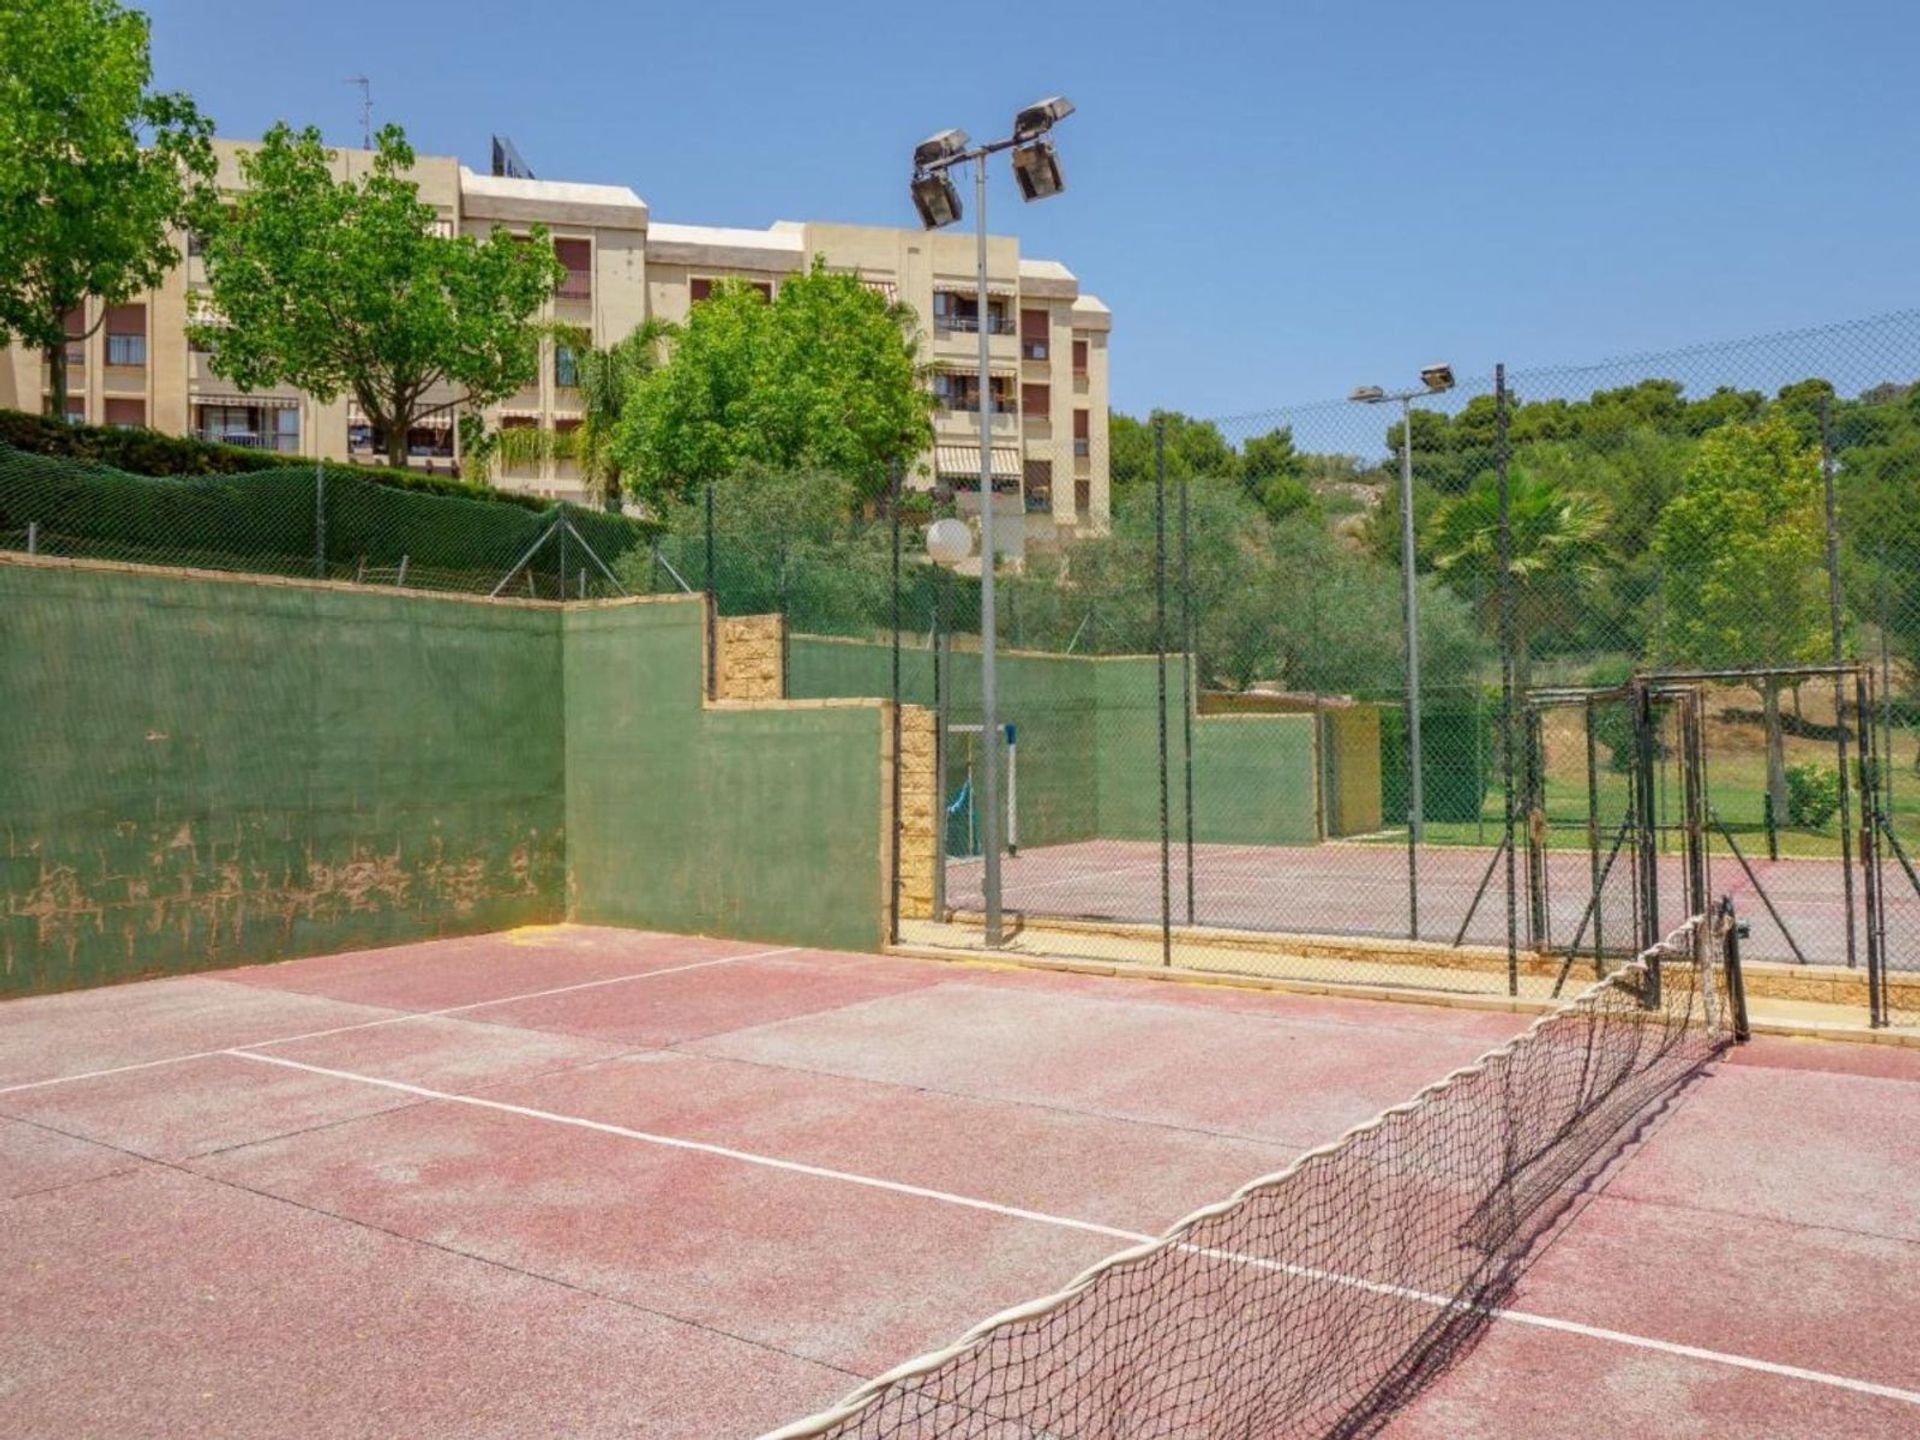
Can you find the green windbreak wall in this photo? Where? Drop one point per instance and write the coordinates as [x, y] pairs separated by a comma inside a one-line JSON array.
[[200, 772], [1049, 700], [1090, 744], [762, 822]]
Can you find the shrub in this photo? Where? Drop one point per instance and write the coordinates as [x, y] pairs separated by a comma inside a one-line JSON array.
[[1813, 794], [149, 452]]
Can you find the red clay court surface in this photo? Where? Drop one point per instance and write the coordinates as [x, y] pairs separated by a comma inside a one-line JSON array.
[[582, 1182], [1361, 889]]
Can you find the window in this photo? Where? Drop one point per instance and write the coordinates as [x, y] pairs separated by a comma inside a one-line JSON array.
[[1082, 497], [125, 414], [126, 327], [577, 282], [1034, 332], [1037, 400], [1039, 484], [1083, 432], [77, 323], [1079, 357], [566, 369]]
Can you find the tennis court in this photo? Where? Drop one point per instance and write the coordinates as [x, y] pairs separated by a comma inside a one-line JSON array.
[[581, 1181], [1361, 889]]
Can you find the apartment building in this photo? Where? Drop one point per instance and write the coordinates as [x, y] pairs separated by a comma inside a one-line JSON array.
[[1047, 341]]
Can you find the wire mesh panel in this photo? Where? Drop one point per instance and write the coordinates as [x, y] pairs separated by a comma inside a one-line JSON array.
[[1315, 1301], [314, 522]]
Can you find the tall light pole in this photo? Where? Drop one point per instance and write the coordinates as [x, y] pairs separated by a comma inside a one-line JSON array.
[[1037, 169], [1433, 380]]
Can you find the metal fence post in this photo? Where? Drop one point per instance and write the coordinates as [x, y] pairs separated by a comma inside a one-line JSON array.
[[1836, 623], [713, 605], [1160, 675], [899, 820], [1506, 673], [319, 520], [1189, 680]]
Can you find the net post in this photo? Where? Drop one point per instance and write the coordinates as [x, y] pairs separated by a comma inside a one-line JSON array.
[[1593, 836], [1160, 677], [319, 519], [1870, 856], [1734, 929]]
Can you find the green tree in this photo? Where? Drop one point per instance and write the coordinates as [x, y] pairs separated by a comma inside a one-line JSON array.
[[1555, 550], [1193, 448], [347, 285], [1276, 473], [1741, 550], [825, 377], [97, 170]]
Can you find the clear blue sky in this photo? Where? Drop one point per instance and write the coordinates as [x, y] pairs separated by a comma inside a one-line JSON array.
[[1278, 200]]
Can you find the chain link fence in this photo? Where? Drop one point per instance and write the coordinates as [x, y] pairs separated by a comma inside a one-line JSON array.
[[1469, 686], [314, 522]]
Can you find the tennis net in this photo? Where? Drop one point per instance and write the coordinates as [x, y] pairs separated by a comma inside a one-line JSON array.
[[1316, 1300]]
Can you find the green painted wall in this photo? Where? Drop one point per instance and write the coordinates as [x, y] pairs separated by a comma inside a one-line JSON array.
[[198, 773], [1090, 744], [760, 823], [1049, 699]]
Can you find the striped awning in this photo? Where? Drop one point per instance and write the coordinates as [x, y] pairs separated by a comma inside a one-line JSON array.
[[258, 402], [962, 462], [969, 285], [439, 420]]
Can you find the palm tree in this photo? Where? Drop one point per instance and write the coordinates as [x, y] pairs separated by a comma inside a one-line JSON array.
[[1555, 548], [603, 377]]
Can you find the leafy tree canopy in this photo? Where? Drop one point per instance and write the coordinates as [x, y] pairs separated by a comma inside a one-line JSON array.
[[97, 170], [347, 285], [822, 378]]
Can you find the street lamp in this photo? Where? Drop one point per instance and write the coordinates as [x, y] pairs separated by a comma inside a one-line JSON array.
[[1433, 380], [1037, 170]]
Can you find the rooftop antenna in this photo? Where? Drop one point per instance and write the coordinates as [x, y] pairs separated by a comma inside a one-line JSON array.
[[366, 109]]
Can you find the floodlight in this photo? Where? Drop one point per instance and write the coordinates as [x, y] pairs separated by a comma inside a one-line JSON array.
[[1037, 169], [949, 541], [1038, 118], [1368, 394], [936, 199], [1437, 377], [936, 149]]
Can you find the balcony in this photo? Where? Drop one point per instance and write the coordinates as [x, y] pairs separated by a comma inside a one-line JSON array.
[[251, 440], [1033, 350], [127, 350], [1082, 447], [575, 285]]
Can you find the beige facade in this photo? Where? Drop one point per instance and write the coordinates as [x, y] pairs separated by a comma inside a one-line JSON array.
[[1047, 339]]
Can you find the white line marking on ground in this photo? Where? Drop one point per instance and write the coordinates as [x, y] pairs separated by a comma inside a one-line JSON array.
[[390, 1019], [1131, 1237]]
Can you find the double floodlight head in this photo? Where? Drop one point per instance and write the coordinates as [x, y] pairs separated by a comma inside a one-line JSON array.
[[1434, 377], [1437, 377], [940, 149], [936, 199], [1036, 168], [1037, 119]]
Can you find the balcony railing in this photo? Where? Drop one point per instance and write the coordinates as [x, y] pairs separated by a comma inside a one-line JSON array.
[[970, 324], [575, 285], [251, 440], [1082, 448], [126, 350], [1033, 349]]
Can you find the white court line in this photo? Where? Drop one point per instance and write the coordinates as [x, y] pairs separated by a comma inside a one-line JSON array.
[[388, 1019], [970, 1202]]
